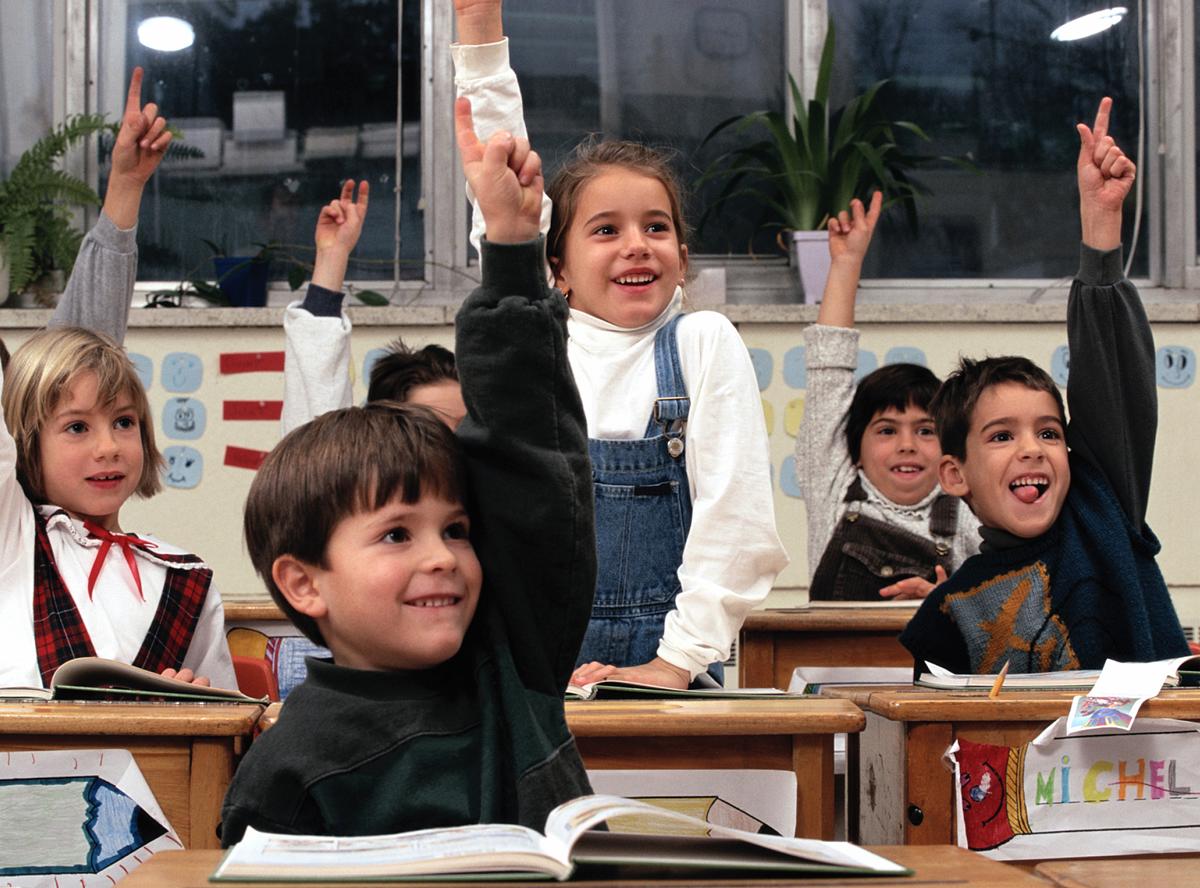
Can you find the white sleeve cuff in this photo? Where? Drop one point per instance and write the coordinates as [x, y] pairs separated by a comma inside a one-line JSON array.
[[475, 61]]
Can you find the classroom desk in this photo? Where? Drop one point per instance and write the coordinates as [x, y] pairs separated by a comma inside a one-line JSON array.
[[904, 792], [186, 751], [933, 866], [788, 735], [795, 734], [774, 642], [1178, 869]]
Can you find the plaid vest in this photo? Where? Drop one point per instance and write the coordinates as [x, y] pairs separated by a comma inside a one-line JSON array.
[[58, 630]]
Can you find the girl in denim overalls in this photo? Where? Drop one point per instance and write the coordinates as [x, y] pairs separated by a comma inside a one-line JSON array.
[[879, 526], [685, 518]]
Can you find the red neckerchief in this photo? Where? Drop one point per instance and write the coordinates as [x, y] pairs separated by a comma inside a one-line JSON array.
[[127, 542]]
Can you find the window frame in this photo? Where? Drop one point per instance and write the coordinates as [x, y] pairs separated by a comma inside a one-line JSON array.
[[1170, 105]]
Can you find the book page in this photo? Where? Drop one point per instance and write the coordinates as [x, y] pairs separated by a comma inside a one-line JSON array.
[[567, 823], [477, 848], [749, 799], [84, 674]]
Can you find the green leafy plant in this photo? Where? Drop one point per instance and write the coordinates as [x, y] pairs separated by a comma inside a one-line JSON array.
[[815, 164], [36, 233]]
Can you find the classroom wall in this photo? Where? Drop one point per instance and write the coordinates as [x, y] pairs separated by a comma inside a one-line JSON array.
[[188, 393]]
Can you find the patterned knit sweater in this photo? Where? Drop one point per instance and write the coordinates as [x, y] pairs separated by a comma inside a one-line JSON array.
[[1089, 587]]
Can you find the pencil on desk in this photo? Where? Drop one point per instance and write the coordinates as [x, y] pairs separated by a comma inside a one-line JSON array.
[[999, 683]]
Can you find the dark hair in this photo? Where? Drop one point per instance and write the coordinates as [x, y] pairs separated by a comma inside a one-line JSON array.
[[343, 463], [402, 369], [899, 386], [955, 401], [3, 356], [592, 157]]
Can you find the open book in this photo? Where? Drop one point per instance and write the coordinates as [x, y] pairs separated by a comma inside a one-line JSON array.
[[90, 677], [503, 849], [614, 689], [1071, 680]]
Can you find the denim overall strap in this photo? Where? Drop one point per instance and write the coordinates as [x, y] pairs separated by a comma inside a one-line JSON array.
[[672, 406], [643, 514]]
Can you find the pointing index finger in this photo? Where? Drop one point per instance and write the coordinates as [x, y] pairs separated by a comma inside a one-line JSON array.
[[133, 102], [1100, 127]]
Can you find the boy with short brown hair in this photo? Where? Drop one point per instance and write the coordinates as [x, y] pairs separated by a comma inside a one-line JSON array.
[[1066, 576], [453, 587]]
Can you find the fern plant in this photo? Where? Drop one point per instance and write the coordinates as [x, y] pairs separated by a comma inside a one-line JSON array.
[[36, 233], [812, 165]]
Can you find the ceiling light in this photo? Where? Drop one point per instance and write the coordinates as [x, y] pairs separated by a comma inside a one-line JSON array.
[[166, 33], [1087, 25]]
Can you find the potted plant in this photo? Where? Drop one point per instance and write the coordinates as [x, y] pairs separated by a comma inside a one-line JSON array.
[[812, 166], [36, 234]]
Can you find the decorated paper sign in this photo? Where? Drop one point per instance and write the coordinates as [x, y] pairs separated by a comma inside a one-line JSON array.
[[1093, 794]]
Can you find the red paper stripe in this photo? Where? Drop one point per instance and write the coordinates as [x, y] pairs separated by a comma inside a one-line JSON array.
[[244, 457], [253, 409], [252, 362]]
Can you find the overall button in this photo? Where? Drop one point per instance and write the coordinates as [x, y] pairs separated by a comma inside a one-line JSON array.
[[887, 570], [675, 447], [942, 548], [852, 517]]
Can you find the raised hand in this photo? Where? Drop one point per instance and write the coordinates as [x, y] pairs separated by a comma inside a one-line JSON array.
[[339, 226], [850, 232], [849, 236], [506, 177], [142, 141], [340, 222], [1105, 176], [478, 21]]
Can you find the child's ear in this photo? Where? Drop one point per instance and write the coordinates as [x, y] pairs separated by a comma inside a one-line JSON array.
[[559, 281], [952, 477], [297, 581]]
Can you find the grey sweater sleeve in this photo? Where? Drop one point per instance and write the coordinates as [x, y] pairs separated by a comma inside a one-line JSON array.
[[100, 290], [1111, 390]]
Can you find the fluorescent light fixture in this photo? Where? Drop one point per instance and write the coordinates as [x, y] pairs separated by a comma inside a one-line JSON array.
[[166, 33], [1087, 25]]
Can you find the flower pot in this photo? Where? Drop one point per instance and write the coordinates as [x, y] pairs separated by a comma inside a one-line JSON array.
[[810, 256], [243, 279]]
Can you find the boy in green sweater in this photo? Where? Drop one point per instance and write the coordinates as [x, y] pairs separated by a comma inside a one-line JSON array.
[[451, 578]]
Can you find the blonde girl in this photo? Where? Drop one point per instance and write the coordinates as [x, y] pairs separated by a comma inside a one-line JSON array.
[[76, 442]]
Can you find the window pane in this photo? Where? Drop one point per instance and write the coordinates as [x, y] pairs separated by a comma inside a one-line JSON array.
[[663, 73], [984, 79], [25, 78], [285, 100]]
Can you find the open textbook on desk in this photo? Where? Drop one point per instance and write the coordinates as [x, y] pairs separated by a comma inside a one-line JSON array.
[[87, 678], [1071, 680], [505, 850], [616, 689]]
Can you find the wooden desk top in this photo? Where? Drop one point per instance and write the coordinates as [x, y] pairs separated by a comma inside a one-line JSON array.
[[669, 718], [1121, 872], [934, 865], [673, 717], [129, 719], [824, 619], [248, 611], [925, 704]]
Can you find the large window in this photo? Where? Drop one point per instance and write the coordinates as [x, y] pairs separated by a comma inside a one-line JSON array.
[[279, 100], [986, 81]]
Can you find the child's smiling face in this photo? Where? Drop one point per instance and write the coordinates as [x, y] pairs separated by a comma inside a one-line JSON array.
[[399, 585], [1016, 473], [621, 257], [91, 453], [899, 454]]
